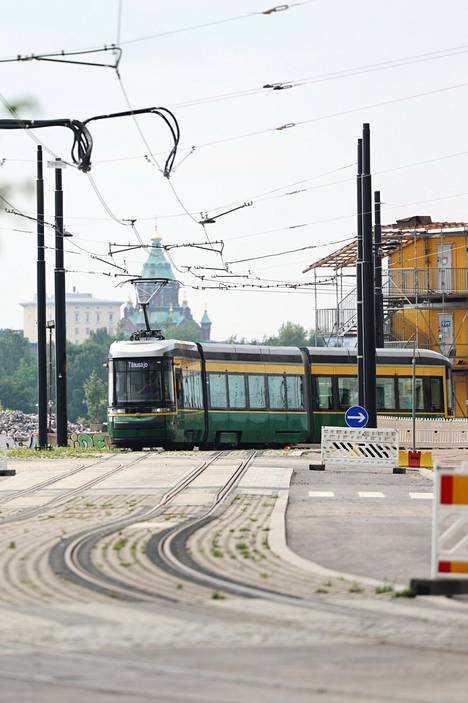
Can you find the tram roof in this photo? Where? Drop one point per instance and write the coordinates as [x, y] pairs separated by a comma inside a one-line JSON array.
[[162, 347]]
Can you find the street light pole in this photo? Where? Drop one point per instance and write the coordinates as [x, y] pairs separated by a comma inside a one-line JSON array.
[[60, 315], [41, 309], [50, 326]]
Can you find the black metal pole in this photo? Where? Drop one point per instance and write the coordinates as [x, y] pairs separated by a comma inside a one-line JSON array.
[[41, 308], [379, 313], [60, 317], [360, 364], [368, 292]]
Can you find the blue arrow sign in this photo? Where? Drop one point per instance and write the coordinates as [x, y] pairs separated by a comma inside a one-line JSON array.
[[356, 416]]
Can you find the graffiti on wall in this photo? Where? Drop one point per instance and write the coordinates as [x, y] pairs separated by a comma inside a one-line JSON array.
[[88, 440]]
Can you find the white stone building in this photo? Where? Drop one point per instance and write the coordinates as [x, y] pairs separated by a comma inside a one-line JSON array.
[[85, 314]]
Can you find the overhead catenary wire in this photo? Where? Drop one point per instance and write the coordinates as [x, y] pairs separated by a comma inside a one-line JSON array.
[[325, 77]]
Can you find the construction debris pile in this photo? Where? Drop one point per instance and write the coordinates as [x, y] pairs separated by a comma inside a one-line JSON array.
[[20, 426]]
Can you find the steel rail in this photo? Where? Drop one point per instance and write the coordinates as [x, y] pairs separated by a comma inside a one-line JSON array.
[[50, 481], [71, 558], [65, 497]]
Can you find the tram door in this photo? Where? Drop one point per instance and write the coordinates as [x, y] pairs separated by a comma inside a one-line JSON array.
[[444, 267], [446, 333]]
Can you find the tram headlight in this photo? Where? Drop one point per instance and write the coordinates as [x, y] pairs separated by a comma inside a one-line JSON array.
[[156, 410], [118, 410]]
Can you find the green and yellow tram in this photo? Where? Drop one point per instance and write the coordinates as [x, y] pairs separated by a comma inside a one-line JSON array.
[[175, 394]]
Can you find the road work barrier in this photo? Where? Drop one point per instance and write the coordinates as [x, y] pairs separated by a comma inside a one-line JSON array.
[[359, 447], [4, 446], [449, 555], [415, 459], [431, 433]]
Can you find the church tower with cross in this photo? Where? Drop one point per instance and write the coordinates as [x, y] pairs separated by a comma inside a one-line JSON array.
[[164, 309]]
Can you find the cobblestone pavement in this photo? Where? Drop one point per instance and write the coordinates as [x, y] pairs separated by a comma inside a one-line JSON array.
[[333, 639]]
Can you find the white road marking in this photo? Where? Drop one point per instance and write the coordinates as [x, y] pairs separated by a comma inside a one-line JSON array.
[[370, 494], [421, 496], [321, 494]]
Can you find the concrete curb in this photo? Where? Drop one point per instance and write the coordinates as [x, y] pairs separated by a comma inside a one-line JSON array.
[[279, 545]]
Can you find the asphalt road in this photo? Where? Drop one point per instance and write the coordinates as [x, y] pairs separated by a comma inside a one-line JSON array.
[[365, 522]]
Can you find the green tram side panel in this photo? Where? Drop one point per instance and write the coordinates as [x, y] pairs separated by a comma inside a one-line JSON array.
[[257, 428], [186, 427]]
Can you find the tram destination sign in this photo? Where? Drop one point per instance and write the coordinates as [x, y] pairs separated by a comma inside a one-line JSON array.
[[356, 416]]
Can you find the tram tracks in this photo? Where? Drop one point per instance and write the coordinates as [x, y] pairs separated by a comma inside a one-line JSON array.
[[75, 558], [65, 496]]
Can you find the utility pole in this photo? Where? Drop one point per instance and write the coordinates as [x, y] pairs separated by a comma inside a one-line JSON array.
[[379, 313], [368, 292], [360, 362], [41, 308], [60, 315]]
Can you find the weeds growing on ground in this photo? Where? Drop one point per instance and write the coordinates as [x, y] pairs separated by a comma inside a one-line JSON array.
[[120, 544], [405, 593]]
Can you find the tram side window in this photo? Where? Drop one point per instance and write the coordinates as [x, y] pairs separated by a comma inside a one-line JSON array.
[[385, 393], [324, 392], [236, 387], [277, 392], [347, 391], [257, 392], [192, 389], [110, 382], [179, 387], [295, 391], [405, 393], [436, 401], [218, 391]]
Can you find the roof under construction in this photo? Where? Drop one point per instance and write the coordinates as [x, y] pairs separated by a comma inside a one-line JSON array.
[[394, 237]]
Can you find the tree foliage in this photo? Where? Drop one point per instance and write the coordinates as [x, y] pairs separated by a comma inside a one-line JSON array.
[[95, 392], [82, 360], [188, 331], [290, 334], [18, 374]]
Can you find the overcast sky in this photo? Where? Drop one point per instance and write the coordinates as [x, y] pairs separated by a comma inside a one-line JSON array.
[[237, 56]]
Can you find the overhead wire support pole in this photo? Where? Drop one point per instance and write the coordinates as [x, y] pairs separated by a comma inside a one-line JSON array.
[[60, 315], [41, 308], [360, 362], [379, 312], [368, 292]]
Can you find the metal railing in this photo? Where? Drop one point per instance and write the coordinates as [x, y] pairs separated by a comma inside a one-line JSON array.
[[336, 321], [426, 282]]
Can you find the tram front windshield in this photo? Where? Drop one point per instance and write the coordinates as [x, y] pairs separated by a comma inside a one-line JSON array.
[[143, 381]]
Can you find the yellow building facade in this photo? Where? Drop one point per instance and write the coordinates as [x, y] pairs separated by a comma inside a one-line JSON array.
[[427, 295]]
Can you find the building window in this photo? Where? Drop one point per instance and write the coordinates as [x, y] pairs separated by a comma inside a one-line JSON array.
[[77, 331], [77, 316], [87, 317], [111, 317], [98, 317], [87, 331]]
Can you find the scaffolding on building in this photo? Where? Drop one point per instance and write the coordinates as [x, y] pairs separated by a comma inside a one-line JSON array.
[[425, 281]]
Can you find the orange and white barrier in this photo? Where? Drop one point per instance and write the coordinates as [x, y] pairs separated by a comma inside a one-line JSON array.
[[450, 523]]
